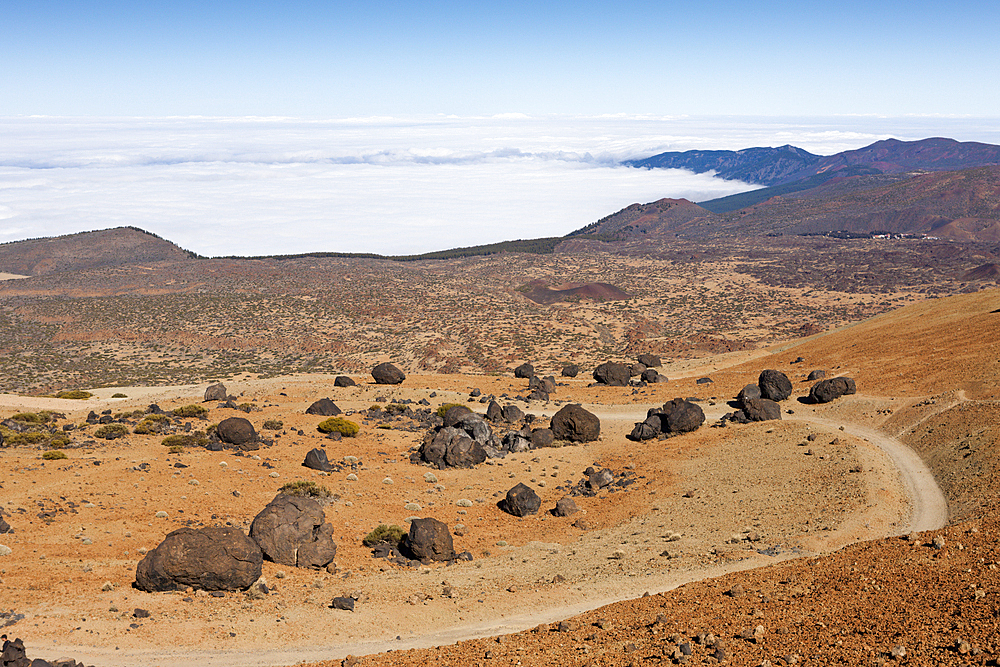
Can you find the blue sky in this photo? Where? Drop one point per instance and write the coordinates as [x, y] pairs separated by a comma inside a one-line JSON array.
[[313, 59]]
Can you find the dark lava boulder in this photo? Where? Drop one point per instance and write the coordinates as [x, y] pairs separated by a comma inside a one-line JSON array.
[[494, 412], [521, 500], [343, 381], [451, 447], [14, 655], [825, 391], [575, 424], [565, 506], [681, 416], [644, 431], [612, 374], [238, 432], [214, 558], [636, 370], [428, 539], [512, 413], [761, 409], [749, 391], [816, 375], [4, 526], [525, 371], [455, 413], [774, 385], [386, 373], [323, 407], [570, 371], [316, 459], [542, 437], [546, 384], [649, 360], [292, 530], [216, 392]]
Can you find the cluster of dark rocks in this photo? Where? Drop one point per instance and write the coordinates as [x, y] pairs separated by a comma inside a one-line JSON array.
[[465, 438], [759, 402], [539, 387], [677, 416], [521, 500], [596, 480], [4, 526], [427, 540], [615, 374], [290, 530], [13, 655]]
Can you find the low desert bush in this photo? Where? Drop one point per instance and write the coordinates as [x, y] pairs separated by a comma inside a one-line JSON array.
[[392, 534], [273, 424], [118, 395], [111, 431], [196, 439], [54, 455], [304, 487], [339, 425], [188, 411], [77, 394]]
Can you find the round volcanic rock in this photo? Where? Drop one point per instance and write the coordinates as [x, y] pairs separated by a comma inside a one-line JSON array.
[[825, 391], [761, 409], [214, 558], [216, 392], [774, 385], [343, 381], [575, 424], [238, 432], [386, 373], [612, 374], [521, 500], [428, 539], [525, 371], [292, 530]]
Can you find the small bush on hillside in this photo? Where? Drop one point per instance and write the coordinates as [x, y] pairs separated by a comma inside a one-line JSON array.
[[188, 411], [54, 455], [111, 431], [152, 424], [345, 427], [273, 424], [304, 487], [77, 394], [118, 395], [392, 534], [196, 439]]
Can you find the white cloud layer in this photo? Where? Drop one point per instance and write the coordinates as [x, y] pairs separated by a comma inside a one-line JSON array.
[[254, 186]]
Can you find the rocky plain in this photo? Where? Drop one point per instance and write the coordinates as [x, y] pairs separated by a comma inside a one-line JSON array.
[[850, 524]]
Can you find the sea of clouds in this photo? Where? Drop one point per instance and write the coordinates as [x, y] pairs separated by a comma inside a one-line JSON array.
[[261, 186]]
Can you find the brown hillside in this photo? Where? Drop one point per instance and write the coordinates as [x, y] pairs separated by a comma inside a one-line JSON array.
[[87, 250], [539, 292]]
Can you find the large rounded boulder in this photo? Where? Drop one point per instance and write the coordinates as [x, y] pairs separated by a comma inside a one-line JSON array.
[[429, 539], [521, 500], [239, 433], [524, 371], [761, 409], [774, 385], [681, 416], [292, 530], [825, 391], [612, 374], [386, 373], [575, 424], [214, 558], [216, 392]]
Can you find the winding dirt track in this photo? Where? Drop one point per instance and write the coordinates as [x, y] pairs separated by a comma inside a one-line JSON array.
[[929, 511]]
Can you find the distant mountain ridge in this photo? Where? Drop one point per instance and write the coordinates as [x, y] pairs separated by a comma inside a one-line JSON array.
[[788, 164]]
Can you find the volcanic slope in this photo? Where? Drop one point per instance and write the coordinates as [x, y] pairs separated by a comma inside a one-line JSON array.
[[928, 366]]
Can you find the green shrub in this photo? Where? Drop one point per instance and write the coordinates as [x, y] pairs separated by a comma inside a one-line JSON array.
[[187, 411], [58, 442], [26, 438], [396, 408], [30, 417], [392, 534], [111, 431], [246, 407], [441, 411], [54, 455], [196, 439], [152, 424], [304, 487], [340, 425], [273, 424], [75, 394], [118, 395], [175, 449]]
